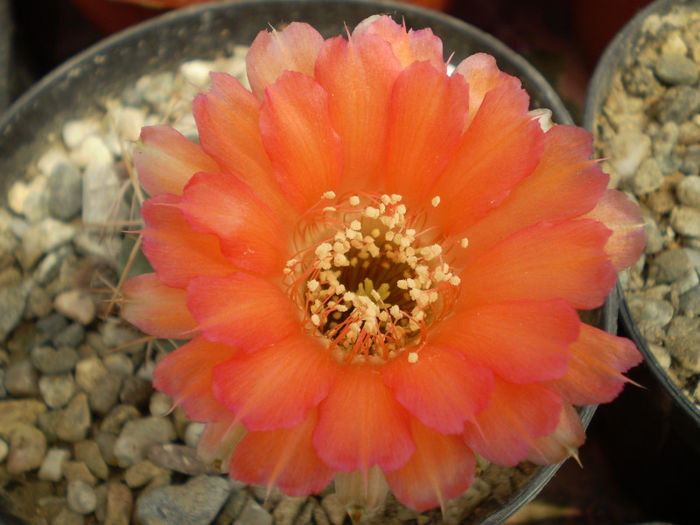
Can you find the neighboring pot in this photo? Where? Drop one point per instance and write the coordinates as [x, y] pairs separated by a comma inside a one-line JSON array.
[[77, 88]]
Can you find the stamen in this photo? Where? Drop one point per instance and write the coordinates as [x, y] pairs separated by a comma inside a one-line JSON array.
[[436, 201]]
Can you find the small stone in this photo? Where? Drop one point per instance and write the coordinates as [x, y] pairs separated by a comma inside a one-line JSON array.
[[688, 191], [140, 434], [686, 349], [648, 177], [641, 82], [48, 161], [673, 68], [179, 458], [128, 122], [47, 421], [661, 201], [117, 417], [119, 504], [686, 221], [71, 336], [38, 303], [74, 421], [193, 432], [629, 148], [76, 305], [655, 239], [689, 133], [678, 104], [78, 470], [661, 354], [90, 373], [15, 412], [670, 266], [13, 299], [27, 449], [135, 391], [89, 452], [196, 72], [81, 497], [57, 390], [52, 466], [655, 311], [36, 203], [21, 379], [4, 449], [287, 509], [689, 302], [160, 404], [67, 517], [74, 132], [663, 147], [197, 501], [92, 151], [106, 441], [65, 191], [119, 364], [43, 237], [142, 473], [101, 195], [334, 508]]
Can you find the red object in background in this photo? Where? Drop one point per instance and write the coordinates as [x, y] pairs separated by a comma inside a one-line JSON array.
[[113, 15]]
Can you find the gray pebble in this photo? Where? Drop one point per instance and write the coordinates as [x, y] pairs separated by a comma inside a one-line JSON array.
[[287, 509], [71, 336], [334, 508], [254, 514], [197, 501], [101, 195], [52, 466], [89, 452], [79, 470], [68, 517], [688, 191], [21, 379], [74, 421], [90, 374], [65, 188], [47, 422], [106, 441], [686, 221], [648, 177], [119, 504], [3, 390], [678, 104], [51, 325], [193, 432], [160, 404], [661, 201], [12, 303], [4, 449], [673, 68], [689, 133], [77, 305], [689, 302], [141, 473], [27, 449], [118, 417], [75, 131], [629, 149], [48, 268], [42, 238], [38, 303], [654, 311], [81, 497], [179, 458], [57, 390], [119, 364], [655, 239], [691, 160], [135, 391], [92, 151], [670, 266], [686, 349], [138, 435], [663, 146], [640, 81]]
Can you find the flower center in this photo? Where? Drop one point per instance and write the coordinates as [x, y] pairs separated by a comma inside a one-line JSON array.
[[367, 282]]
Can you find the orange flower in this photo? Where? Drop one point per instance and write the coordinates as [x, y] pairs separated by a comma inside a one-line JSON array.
[[379, 266]]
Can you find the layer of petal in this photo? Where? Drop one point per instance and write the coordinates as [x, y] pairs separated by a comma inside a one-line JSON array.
[[178, 253], [501, 146], [544, 262], [517, 415], [275, 387], [594, 374], [426, 118], [155, 308], [441, 468], [358, 76], [522, 342], [441, 389], [165, 160], [295, 48], [361, 424], [621, 215], [284, 458], [251, 235], [563, 442], [185, 375], [242, 310], [305, 151]]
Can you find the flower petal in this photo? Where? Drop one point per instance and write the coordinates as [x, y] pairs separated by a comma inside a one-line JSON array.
[[296, 129], [441, 389], [358, 76], [283, 458], [563, 442], [408, 46], [501, 146], [185, 375], [165, 160], [620, 214], [155, 308], [426, 119], [228, 122], [295, 48], [564, 185], [241, 310], [361, 424], [275, 387], [523, 342], [251, 235], [441, 468], [543, 262], [594, 374], [178, 253], [517, 415]]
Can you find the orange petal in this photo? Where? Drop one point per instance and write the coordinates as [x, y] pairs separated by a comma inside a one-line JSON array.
[[501, 146], [482, 74], [564, 185], [295, 48], [276, 386], [543, 262], [441, 468], [358, 76], [441, 388], [165, 160], [523, 342], [284, 458], [426, 118], [227, 119], [361, 424], [563, 442], [185, 375], [174, 249], [408, 46], [517, 415], [242, 310], [155, 308], [251, 235], [621, 215], [296, 128], [594, 374]]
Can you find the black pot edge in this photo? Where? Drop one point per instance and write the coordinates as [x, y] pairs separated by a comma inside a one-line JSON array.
[[613, 57]]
